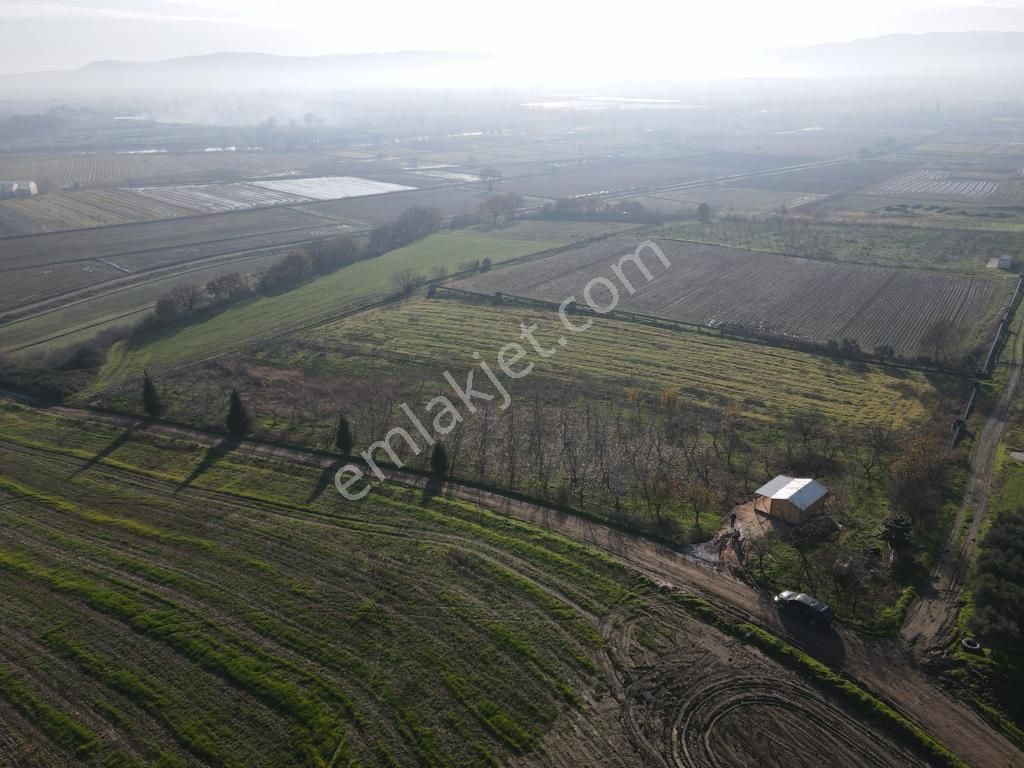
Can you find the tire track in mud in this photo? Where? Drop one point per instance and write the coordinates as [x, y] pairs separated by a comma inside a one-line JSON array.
[[714, 702], [714, 727]]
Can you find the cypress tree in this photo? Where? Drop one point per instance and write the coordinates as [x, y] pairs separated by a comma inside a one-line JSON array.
[[439, 460], [343, 436], [151, 398], [237, 420]]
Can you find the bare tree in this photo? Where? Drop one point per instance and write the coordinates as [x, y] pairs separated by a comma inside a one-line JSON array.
[[873, 443], [501, 207], [486, 427], [180, 302], [228, 287], [512, 434], [702, 500], [455, 440], [286, 273], [540, 440], [490, 174], [407, 281], [940, 339]]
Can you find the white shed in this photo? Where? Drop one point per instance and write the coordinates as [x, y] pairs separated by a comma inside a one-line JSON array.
[[790, 498]]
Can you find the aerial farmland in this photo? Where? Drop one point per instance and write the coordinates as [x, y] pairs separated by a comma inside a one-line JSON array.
[[364, 410], [793, 298]]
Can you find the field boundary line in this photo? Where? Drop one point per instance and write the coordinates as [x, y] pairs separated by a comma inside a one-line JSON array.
[[79, 329], [146, 222], [787, 254], [161, 249]]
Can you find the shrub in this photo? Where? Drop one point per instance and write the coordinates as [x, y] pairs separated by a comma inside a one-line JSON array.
[[999, 587], [88, 354], [334, 253], [407, 281], [464, 220], [382, 239], [228, 287], [179, 302], [416, 223], [287, 273]]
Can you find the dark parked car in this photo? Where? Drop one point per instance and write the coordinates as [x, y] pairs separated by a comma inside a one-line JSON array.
[[817, 613]]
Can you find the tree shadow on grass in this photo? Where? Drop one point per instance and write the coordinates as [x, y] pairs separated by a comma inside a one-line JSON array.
[[213, 454], [116, 443], [433, 487], [326, 478]]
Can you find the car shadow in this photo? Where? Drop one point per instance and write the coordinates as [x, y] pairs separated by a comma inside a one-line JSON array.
[[823, 643]]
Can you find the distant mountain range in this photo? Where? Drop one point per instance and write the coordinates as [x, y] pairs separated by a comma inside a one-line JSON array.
[[959, 54], [250, 72], [937, 54]]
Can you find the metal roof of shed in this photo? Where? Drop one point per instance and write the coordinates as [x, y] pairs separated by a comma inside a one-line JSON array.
[[801, 492]]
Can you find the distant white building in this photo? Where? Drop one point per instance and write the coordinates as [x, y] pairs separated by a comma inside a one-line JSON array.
[[18, 189], [790, 498], [1000, 262]]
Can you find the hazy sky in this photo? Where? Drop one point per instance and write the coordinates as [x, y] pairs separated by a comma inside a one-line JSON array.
[[37, 34]]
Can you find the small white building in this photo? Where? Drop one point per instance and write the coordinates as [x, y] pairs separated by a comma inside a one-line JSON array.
[[18, 189], [790, 498]]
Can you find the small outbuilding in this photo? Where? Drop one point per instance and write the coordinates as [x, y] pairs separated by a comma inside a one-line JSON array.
[[790, 498]]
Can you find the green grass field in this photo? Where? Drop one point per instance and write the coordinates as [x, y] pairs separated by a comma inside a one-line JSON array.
[[422, 337], [348, 288], [169, 603], [166, 604]]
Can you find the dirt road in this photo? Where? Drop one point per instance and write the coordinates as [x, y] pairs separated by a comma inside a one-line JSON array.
[[931, 617]]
